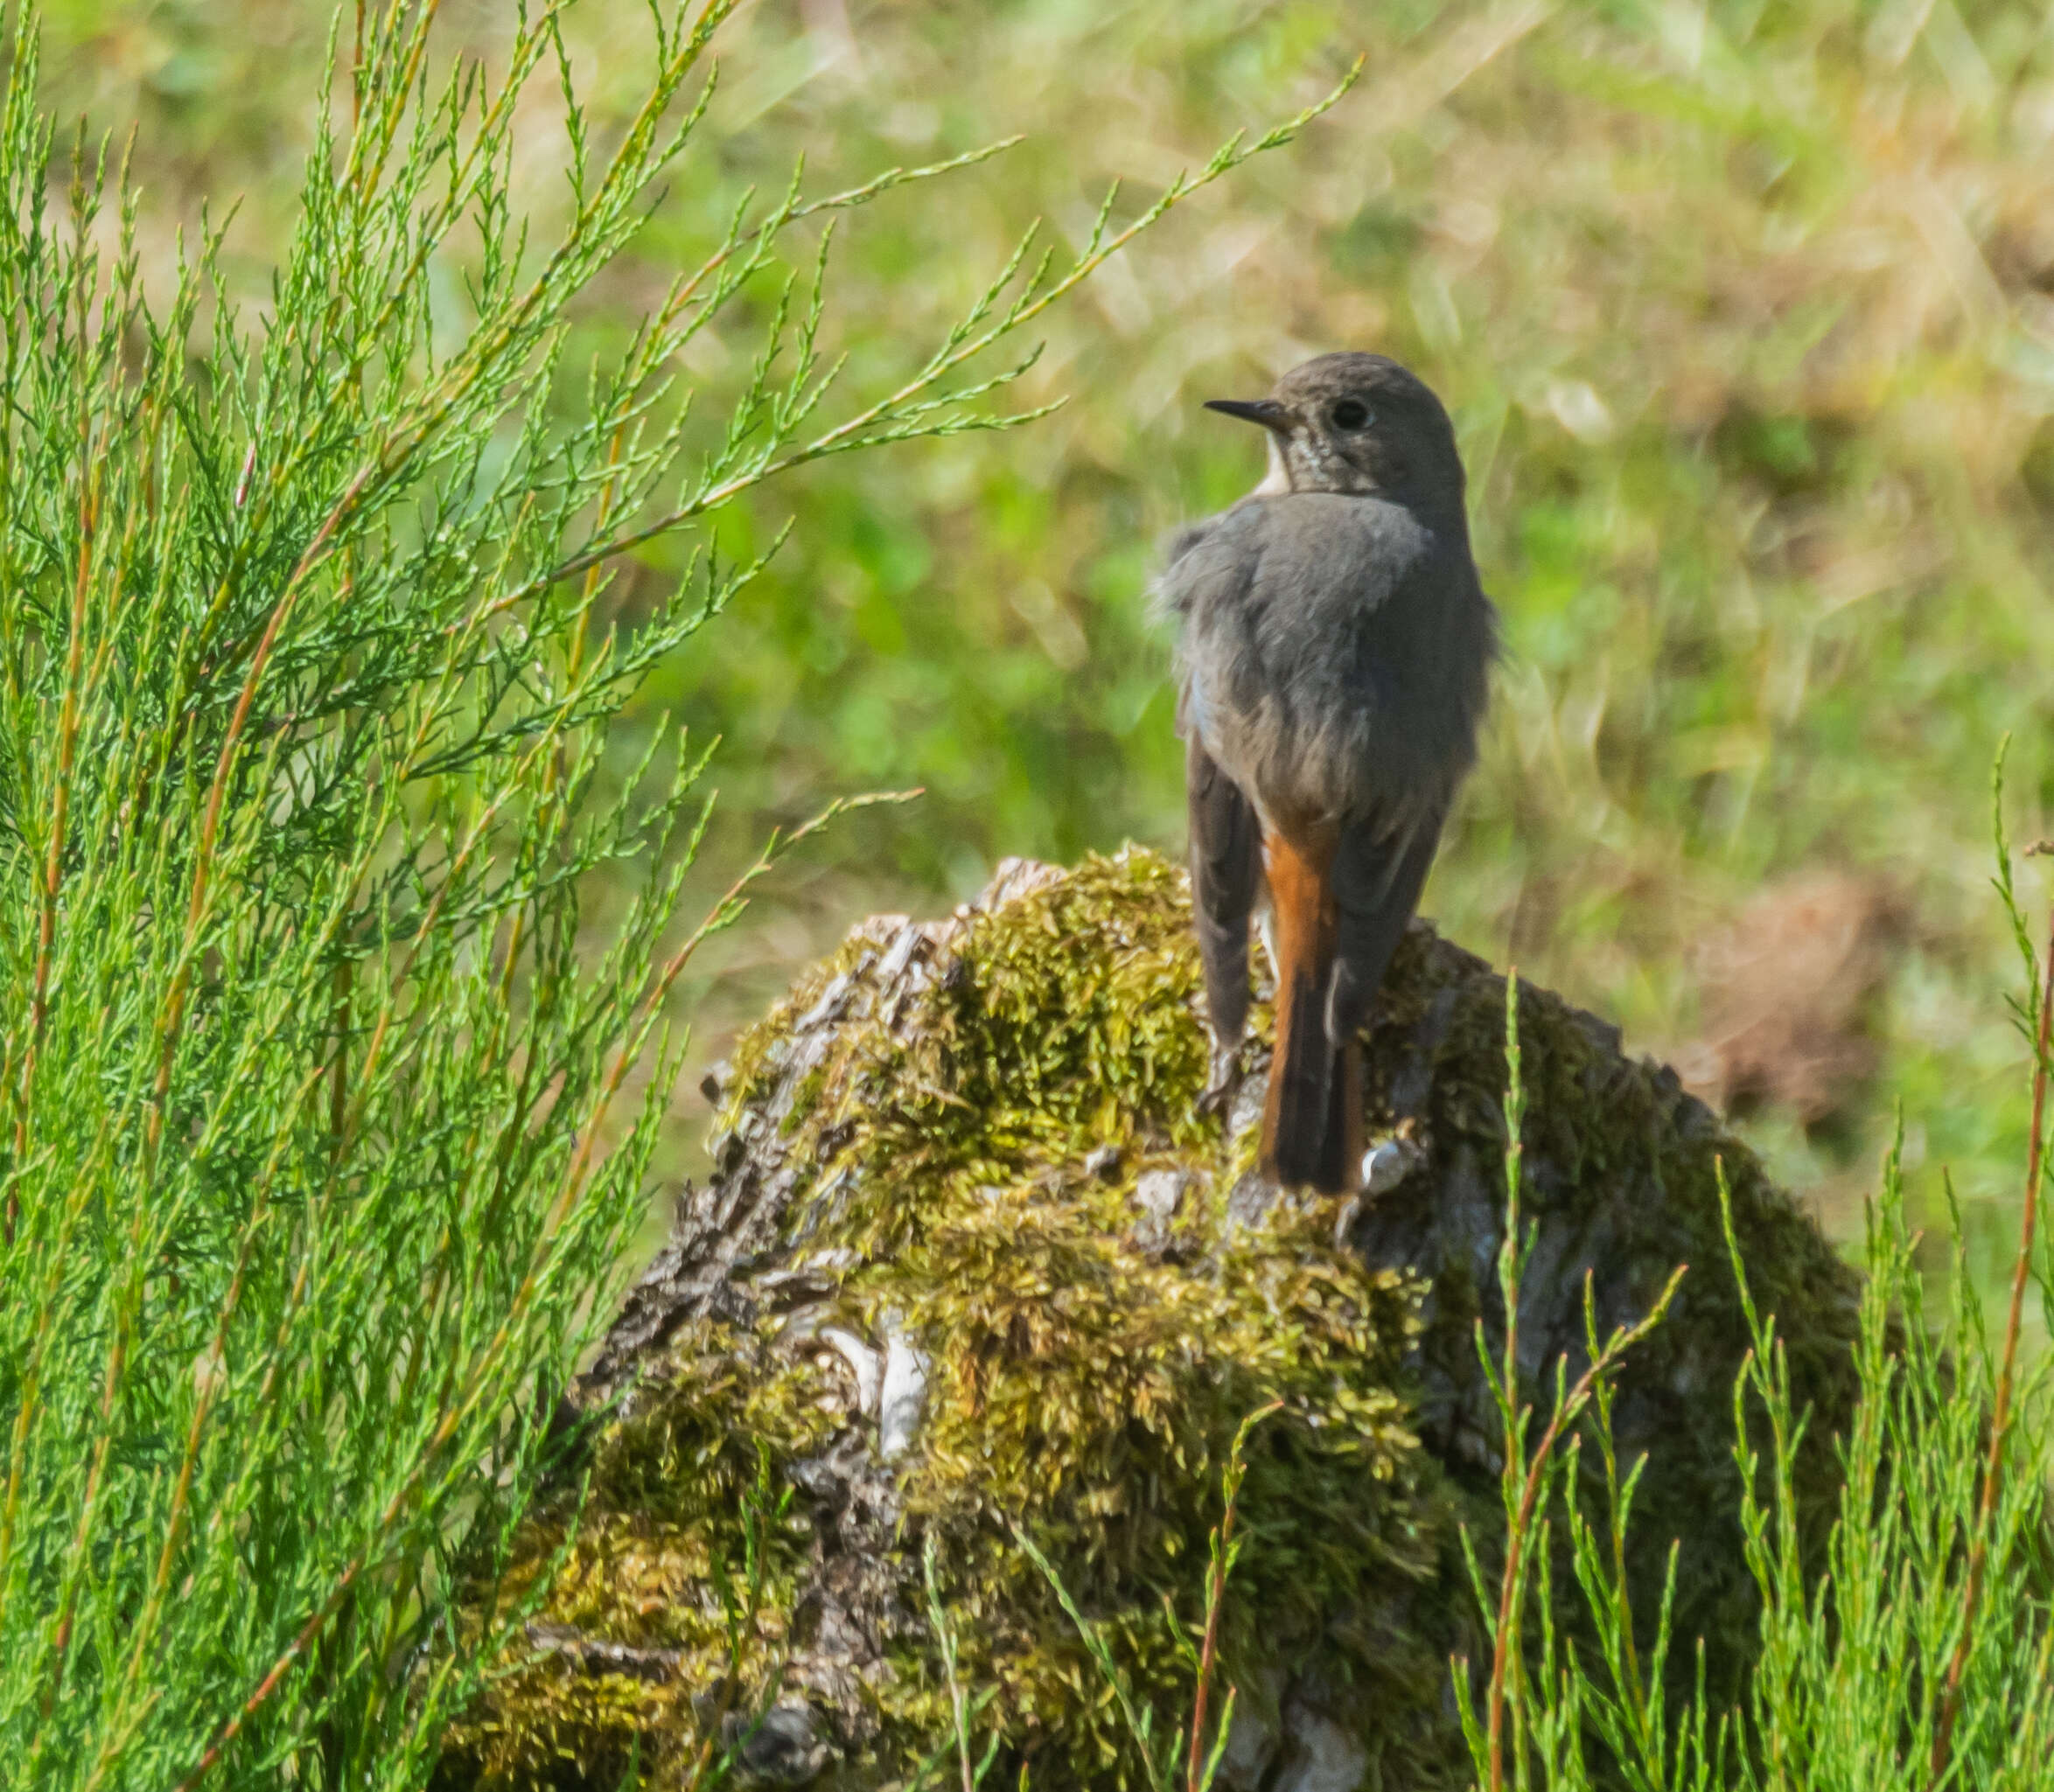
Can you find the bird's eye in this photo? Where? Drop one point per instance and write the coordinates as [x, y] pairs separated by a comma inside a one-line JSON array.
[[1350, 413]]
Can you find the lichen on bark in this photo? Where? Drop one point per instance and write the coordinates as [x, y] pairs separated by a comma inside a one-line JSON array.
[[977, 1260]]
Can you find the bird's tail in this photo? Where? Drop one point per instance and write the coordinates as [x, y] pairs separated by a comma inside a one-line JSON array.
[[1313, 1121]]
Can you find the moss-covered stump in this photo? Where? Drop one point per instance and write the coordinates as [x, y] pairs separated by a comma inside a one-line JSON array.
[[978, 1263]]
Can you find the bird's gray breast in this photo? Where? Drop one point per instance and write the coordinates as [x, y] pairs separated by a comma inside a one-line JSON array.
[[1334, 651]]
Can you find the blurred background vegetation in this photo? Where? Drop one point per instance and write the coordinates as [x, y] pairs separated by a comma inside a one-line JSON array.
[[1745, 312]]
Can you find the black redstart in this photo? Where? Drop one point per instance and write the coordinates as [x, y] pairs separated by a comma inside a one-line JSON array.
[[1334, 648]]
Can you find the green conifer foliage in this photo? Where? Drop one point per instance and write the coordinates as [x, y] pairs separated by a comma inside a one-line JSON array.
[[324, 1107]]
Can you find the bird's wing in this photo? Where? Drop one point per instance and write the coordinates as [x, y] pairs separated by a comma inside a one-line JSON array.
[[1378, 873], [1225, 848]]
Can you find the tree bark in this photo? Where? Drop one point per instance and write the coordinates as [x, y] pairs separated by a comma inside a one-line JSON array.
[[977, 1263]]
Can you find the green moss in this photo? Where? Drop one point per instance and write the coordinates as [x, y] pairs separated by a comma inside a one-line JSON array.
[[1092, 1395], [968, 1162], [681, 1499], [1067, 1022], [1085, 1382]]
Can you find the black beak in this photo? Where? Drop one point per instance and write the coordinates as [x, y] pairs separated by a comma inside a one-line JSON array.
[[1265, 411]]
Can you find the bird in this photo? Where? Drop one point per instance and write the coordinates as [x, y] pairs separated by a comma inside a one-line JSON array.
[[1333, 652]]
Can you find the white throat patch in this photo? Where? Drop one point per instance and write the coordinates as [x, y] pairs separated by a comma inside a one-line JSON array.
[[1277, 480]]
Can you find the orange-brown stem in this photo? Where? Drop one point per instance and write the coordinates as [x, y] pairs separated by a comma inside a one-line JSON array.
[[2001, 1415]]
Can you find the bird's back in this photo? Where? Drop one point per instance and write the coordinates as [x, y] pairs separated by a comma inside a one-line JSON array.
[[1334, 649]]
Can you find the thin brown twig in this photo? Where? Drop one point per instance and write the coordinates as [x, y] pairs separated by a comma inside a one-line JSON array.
[[455, 1414], [1505, 1653], [60, 803], [1208, 1659], [29, 1382], [88, 1509], [1566, 1412], [366, 175], [210, 1384], [53, 879], [210, 825], [720, 917], [269, 1684], [447, 1427], [1216, 1599], [1979, 1544], [1515, 1429], [1031, 304]]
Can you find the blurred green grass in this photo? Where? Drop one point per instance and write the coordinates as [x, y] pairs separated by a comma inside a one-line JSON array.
[[1745, 311]]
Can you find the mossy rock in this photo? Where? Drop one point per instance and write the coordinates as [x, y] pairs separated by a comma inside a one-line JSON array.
[[978, 1263]]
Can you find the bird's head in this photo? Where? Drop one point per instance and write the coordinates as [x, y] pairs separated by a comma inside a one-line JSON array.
[[1356, 423]]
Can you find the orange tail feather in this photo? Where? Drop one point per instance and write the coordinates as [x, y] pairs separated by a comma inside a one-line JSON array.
[[1312, 1118]]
